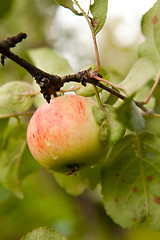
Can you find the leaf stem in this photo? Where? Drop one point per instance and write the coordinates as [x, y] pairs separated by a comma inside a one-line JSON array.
[[152, 89], [93, 36], [109, 83]]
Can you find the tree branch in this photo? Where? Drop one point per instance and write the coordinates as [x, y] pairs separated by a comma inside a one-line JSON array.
[[49, 83]]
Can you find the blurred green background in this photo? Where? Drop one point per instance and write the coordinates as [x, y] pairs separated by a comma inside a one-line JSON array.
[[44, 202]]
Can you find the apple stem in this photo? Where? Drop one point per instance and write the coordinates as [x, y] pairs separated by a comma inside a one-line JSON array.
[[97, 96], [73, 168], [100, 102]]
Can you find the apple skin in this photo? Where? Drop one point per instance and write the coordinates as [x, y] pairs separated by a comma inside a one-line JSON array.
[[63, 135]]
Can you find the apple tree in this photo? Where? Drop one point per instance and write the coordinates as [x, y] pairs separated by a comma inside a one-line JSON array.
[[94, 133]]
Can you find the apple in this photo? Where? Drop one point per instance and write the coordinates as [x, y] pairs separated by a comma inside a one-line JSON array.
[[63, 136]]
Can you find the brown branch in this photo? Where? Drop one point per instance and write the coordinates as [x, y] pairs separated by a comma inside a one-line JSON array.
[[50, 83]]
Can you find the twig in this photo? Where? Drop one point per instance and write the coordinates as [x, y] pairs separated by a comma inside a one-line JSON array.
[[108, 89], [144, 109], [50, 84], [119, 95]]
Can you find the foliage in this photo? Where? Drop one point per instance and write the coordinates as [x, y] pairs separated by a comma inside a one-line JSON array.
[[44, 233], [132, 197], [127, 182]]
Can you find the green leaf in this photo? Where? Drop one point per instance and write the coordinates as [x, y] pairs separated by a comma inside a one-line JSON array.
[[75, 185], [130, 181], [87, 91], [27, 164], [10, 161], [140, 74], [44, 233], [150, 49], [68, 4], [48, 60], [104, 133], [117, 129], [3, 125], [99, 114], [130, 116], [15, 159], [99, 12], [111, 130], [104, 96], [72, 184], [5, 7], [91, 176], [15, 96]]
